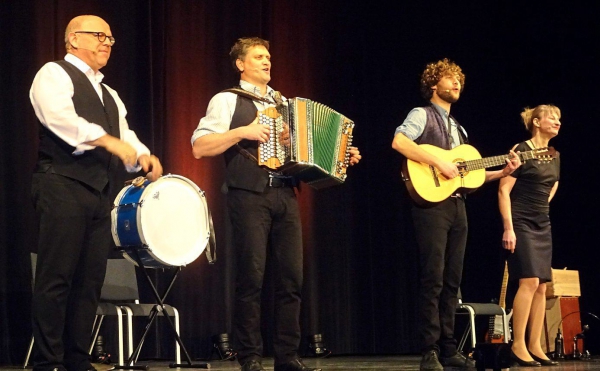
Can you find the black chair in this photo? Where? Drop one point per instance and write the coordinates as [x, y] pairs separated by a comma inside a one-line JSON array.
[[479, 309], [123, 291], [105, 308]]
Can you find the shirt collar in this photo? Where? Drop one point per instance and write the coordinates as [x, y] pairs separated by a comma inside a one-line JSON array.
[[254, 89], [440, 110], [83, 67]]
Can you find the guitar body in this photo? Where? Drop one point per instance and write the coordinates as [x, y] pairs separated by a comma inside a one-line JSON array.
[[495, 334], [427, 185]]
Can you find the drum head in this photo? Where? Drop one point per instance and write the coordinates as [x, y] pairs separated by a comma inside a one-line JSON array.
[[173, 220]]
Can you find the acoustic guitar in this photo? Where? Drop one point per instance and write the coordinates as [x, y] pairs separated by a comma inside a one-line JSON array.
[[496, 333], [427, 185]]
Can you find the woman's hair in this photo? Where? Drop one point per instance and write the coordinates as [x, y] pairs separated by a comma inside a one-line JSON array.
[[241, 47], [435, 71], [538, 112]]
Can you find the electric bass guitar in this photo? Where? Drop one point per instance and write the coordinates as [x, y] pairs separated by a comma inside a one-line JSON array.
[[427, 185], [496, 333]]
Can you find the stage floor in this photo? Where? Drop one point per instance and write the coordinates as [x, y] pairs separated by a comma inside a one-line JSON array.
[[360, 363]]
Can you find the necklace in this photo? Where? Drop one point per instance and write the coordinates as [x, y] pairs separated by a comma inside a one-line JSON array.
[[533, 146]]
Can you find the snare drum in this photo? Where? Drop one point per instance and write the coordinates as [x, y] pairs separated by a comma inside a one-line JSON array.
[[166, 222]]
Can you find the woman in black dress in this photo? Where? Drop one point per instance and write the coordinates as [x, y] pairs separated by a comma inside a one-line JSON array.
[[524, 199]]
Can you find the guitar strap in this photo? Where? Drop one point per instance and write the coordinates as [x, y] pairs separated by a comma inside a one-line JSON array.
[[530, 144], [462, 134], [459, 132]]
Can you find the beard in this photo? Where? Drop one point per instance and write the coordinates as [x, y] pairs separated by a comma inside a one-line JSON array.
[[448, 97]]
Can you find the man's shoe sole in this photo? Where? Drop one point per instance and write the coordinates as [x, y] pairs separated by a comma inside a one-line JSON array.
[[103, 366]]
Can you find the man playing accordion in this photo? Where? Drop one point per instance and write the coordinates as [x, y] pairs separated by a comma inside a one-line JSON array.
[[262, 206]]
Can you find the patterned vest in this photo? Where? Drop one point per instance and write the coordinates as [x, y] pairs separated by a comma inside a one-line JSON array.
[[436, 130]]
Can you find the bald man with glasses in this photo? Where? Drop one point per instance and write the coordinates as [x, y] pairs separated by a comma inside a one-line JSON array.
[[84, 141]]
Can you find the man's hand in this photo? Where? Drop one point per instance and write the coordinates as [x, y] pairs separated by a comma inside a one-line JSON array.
[[355, 156], [256, 131], [284, 135], [151, 165], [512, 163], [448, 169]]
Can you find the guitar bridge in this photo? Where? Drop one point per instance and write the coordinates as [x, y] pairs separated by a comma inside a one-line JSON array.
[[434, 175]]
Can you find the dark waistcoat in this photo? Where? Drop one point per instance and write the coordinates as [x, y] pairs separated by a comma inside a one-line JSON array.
[[243, 172], [92, 167], [436, 130]]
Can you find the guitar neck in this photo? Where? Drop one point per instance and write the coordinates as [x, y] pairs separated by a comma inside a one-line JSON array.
[[502, 301], [484, 163]]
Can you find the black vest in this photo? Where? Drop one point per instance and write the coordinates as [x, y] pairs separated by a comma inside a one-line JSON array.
[[242, 172], [436, 130], [92, 167]]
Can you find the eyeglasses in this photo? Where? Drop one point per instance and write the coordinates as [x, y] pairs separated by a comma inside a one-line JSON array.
[[100, 35]]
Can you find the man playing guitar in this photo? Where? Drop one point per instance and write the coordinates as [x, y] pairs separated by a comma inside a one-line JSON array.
[[441, 229]]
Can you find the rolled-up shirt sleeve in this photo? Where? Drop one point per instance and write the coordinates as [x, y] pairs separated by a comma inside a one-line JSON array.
[[414, 124], [127, 135], [51, 96], [218, 116]]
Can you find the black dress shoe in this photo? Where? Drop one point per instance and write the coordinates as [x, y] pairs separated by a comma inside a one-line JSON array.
[[252, 366], [543, 362], [457, 360], [295, 365], [520, 362], [430, 361]]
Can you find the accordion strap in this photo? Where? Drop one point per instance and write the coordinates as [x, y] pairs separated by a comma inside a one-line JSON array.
[[245, 153], [212, 242], [247, 94]]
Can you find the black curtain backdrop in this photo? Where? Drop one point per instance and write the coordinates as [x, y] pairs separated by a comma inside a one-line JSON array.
[[362, 59]]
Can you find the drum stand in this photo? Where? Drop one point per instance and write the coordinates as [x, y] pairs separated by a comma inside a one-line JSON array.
[[159, 307]]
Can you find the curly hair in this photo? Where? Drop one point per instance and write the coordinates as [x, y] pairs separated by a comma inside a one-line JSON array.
[[538, 112], [241, 47], [434, 72]]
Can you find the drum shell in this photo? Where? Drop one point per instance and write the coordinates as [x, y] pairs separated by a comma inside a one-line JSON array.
[[127, 233], [138, 210]]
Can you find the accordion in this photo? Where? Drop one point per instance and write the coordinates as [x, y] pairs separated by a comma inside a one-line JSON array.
[[317, 151]]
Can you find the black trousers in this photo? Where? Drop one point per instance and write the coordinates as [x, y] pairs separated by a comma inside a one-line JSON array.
[[266, 226], [441, 233], [74, 242]]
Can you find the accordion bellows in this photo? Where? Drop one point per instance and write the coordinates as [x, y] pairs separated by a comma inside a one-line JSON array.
[[318, 150]]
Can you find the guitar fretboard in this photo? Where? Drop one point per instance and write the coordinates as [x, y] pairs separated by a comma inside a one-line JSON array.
[[484, 163]]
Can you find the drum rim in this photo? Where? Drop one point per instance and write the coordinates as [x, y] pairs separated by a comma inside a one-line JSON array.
[[144, 237]]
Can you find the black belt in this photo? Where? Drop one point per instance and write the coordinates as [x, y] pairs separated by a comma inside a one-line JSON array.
[[280, 182]]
